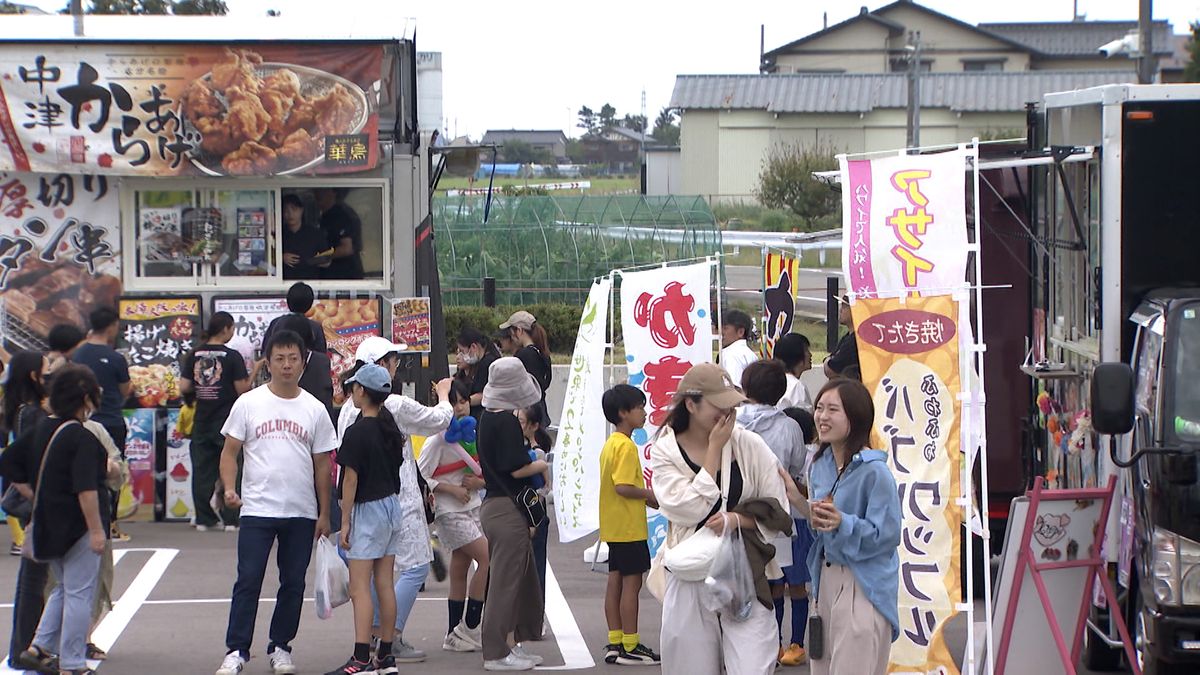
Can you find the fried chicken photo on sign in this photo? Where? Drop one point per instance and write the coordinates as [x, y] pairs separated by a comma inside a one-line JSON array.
[[200, 101], [283, 81], [246, 117], [334, 110], [217, 137], [252, 158], [236, 69], [299, 147]]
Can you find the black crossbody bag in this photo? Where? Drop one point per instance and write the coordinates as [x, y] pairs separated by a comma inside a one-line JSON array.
[[527, 501]]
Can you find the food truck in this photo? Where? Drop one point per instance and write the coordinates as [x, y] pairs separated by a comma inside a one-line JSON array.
[[170, 167]]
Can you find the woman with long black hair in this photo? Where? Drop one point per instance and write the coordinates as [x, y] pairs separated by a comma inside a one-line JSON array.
[[475, 356], [523, 337]]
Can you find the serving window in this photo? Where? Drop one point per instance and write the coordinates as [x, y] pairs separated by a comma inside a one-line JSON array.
[[246, 235]]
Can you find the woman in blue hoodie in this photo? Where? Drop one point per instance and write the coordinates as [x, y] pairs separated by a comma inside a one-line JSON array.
[[855, 513]]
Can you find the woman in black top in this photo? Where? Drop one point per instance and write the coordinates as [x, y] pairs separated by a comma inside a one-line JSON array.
[[476, 353], [523, 337], [514, 600], [70, 514]]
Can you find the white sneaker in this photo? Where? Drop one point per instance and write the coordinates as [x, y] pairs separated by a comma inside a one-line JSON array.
[[202, 528], [472, 636], [231, 528], [510, 662], [281, 662], [232, 665], [453, 643], [520, 651]]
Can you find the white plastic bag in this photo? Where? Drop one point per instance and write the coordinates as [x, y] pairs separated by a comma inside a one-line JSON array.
[[729, 586], [332, 583]]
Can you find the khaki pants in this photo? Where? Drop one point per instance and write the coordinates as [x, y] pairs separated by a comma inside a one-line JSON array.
[[696, 641], [857, 637], [514, 598]]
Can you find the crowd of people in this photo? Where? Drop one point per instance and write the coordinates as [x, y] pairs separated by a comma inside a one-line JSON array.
[[743, 448]]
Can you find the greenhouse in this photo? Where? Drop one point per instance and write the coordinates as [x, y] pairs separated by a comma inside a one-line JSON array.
[[550, 248]]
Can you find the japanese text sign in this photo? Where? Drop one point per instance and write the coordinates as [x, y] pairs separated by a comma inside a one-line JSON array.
[[582, 428], [179, 109], [781, 282], [410, 324], [904, 223], [140, 448], [158, 332], [346, 322], [909, 355], [667, 329], [251, 316]]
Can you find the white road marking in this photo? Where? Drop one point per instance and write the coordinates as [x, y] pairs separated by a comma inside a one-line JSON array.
[[576, 655]]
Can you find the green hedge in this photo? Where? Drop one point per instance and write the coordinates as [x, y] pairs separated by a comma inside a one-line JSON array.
[[561, 322]]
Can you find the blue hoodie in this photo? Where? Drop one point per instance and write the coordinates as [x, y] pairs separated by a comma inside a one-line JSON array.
[[869, 536]]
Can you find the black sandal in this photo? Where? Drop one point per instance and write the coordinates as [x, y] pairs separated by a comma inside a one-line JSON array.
[[94, 653], [37, 659]]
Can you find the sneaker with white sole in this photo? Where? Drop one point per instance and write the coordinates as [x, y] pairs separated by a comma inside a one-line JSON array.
[[406, 653], [281, 662], [386, 665], [453, 643], [640, 655], [510, 662], [472, 636], [519, 650], [232, 665]]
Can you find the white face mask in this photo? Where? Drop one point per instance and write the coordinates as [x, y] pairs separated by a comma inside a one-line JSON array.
[[470, 359]]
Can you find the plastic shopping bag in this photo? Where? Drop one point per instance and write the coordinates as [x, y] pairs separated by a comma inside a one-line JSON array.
[[332, 584], [729, 586]]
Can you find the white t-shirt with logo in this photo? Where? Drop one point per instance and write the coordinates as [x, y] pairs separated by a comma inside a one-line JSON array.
[[279, 437]]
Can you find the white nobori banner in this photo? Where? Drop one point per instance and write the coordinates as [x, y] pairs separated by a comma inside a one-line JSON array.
[[583, 427], [904, 224]]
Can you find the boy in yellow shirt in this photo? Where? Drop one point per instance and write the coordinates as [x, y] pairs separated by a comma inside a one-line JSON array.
[[623, 499]]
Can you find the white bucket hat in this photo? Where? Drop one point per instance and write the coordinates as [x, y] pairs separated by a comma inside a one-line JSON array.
[[510, 386]]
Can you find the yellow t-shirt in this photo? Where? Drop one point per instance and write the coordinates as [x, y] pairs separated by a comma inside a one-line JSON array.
[[621, 519]]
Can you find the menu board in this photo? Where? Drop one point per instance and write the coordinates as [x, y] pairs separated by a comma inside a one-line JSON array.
[[157, 332], [139, 450], [251, 316], [410, 324], [346, 322], [178, 493], [161, 224], [252, 236]]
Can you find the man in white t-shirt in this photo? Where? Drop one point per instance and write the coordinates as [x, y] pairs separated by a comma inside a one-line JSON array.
[[737, 328], [285, 436]]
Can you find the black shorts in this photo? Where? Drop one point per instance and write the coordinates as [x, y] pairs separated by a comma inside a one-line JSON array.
[[628, 558]]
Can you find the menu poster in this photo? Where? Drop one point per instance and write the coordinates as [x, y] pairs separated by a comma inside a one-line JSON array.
[[410, 324], [252, 236], [251, 316], [178, 493], [157, 333], [346, 322], [139, 451], [161, 225]]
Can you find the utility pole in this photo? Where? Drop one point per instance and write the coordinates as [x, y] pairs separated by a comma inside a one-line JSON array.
[[77, 12], [913, 136], [1147, 64]]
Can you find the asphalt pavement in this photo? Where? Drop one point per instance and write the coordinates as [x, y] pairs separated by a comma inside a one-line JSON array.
[[172, 588]]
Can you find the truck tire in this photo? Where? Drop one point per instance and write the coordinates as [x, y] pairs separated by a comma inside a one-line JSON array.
[[1097, 655]]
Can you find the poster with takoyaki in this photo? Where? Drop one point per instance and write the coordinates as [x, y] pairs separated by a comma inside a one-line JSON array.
[[346, 322], [60, 253], [410, 324], [199, 109], [157, 333]]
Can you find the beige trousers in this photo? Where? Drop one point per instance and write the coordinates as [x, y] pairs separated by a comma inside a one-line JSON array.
[[857, 637], [514, 598], [696, 641]]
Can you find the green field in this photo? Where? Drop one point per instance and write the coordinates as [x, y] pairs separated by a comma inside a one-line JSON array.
[[600, 186]]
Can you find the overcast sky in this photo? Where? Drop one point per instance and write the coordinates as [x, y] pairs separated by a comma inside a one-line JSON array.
[[533, 63]]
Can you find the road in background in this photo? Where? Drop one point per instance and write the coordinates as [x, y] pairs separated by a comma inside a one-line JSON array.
[[744, 282]]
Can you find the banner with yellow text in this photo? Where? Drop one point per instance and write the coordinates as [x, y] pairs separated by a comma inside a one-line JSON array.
[[909, 354], [781, 282]]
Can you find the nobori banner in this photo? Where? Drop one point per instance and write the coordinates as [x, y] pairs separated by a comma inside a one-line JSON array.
[[189, 109], [904, 223]]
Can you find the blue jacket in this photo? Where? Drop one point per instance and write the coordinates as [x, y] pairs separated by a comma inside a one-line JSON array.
[[869, 536]]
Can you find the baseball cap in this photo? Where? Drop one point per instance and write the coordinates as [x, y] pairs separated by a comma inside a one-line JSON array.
[[521, 319], [374, 348], [373, 377], [711, 382]]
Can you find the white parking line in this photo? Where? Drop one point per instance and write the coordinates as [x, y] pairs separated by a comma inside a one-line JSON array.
[[575, 652]]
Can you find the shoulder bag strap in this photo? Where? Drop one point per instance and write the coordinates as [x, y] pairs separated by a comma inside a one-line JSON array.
[[37, 485], [726, 470]]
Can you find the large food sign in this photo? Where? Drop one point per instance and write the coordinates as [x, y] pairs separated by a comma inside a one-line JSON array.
[[158, 332], [179, 109], [59, 253], [346, 323], [251, 316]]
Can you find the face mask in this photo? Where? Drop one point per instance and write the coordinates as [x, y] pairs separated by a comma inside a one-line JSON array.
[[470, 359]]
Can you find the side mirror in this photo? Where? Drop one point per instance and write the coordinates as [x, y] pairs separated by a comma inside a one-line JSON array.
[[1112, 399]]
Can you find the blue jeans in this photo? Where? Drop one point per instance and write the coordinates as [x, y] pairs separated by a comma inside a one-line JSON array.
[[256, 536], [408, 585], [68, 613]]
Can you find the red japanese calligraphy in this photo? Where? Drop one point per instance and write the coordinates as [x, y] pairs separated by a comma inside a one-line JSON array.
[[662, 379], [667, 316]]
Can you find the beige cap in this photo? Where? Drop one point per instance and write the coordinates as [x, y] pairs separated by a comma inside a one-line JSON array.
[[713, 383], [521, 319]]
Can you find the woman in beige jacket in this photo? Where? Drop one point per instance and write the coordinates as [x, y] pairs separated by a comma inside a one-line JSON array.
[[686, 459]]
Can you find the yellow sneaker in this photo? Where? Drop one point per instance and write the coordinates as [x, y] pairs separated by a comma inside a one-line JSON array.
[[794, 655]]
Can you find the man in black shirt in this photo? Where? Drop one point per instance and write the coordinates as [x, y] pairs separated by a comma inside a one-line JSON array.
[[343, 231], [302, 245], [300, 299], [845, 355]]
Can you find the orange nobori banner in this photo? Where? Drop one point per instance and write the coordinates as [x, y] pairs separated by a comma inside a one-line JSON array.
[[189, 109], [909, 355]]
